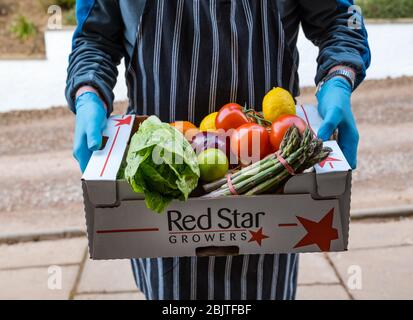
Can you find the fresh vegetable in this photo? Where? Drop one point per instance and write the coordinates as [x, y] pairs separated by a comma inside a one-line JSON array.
[[208, 123], [191, 133], [277, 102], [250, 142], [299, 151], [206, 140], [161, 164], [280, 126], [188, 129], [231, 116], [183, 126], [213, 164]]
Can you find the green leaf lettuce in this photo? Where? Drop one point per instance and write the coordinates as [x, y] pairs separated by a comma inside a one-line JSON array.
[[161, 164]]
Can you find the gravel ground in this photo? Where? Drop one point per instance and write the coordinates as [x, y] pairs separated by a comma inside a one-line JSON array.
[[40, 187], [384, 113]]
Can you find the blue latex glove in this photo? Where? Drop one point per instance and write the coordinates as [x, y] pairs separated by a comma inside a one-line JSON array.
[[91, 119], [335, 107]]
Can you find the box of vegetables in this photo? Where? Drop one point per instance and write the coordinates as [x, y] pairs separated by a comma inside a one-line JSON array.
[[160, 190]]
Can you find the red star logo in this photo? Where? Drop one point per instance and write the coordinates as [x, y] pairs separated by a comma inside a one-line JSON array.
[[320, 233], [121, 122], [257, 236], [330, 161]]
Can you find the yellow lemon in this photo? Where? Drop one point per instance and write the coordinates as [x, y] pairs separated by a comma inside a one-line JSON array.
[[208, 123], [277, 102]]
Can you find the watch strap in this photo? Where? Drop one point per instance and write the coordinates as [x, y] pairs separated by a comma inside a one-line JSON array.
[[346, 74]]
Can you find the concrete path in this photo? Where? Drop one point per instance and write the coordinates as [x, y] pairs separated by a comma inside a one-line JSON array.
[[377, 266]]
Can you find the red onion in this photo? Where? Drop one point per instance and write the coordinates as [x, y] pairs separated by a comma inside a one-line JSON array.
[[207, 140]]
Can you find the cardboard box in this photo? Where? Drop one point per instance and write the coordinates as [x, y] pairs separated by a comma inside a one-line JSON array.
[[312, 215]]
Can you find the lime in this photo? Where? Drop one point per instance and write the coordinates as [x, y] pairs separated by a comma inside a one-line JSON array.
[[213, 164]]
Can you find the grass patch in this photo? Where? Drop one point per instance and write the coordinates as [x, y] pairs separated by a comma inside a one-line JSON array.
[[386, 9], [64, 4], [68, 8], [22, 28], [69, 17]]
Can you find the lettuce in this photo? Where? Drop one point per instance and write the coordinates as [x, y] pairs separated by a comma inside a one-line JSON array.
[[161, 164]]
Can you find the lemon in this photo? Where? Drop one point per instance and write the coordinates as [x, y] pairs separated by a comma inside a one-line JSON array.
[[208, 123], [277, 102]]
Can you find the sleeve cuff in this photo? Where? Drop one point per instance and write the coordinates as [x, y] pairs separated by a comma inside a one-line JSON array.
[[89, 80], [346, 59]]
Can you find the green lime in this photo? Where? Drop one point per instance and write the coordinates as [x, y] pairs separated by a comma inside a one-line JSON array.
[[213, 164]]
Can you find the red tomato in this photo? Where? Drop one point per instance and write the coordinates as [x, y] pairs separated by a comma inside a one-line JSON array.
[[250, 142], [280, 126], [230, 116]]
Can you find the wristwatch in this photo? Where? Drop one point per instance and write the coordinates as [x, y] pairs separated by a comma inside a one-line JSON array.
[[346, 74]]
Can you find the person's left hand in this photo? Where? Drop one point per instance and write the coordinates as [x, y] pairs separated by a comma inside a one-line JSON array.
[[335, 107]]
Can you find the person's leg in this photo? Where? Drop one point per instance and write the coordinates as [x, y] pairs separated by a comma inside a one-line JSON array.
[[157, 278], [295, 277], [287, 276], [245, 277]]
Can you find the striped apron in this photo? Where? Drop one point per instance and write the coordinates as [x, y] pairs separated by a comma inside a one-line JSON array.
[[190, 58]]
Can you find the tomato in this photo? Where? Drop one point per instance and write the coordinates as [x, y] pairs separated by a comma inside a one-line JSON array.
[[280, 126], [250, 142], [230, 116]]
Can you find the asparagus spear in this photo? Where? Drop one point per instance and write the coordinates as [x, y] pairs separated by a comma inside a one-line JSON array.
[[262, 170], [290, 142], [300, 152]]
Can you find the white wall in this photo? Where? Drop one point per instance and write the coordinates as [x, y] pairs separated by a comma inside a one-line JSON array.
[[391, 48], [37, 84]]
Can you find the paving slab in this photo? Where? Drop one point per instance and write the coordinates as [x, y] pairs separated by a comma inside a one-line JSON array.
[[379, 234], [112, 296], [43, 253], [385, 273], [33, 283], [315, 269], [106, 276], [321, 292]]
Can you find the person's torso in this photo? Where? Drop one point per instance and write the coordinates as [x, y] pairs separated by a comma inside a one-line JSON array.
[[190, 57]]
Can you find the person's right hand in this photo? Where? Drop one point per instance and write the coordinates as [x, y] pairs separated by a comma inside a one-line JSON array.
[[91, 119]]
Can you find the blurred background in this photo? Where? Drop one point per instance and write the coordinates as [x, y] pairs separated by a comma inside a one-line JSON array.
[[42, 226]]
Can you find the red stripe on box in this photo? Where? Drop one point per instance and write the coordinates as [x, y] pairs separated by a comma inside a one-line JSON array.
[[110, 152], [128, 230]]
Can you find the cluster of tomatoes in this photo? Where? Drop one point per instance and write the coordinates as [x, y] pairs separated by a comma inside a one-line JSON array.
[[242, 132], [250, 131]]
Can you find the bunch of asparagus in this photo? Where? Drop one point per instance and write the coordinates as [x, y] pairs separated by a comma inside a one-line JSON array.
[[299, 151]]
